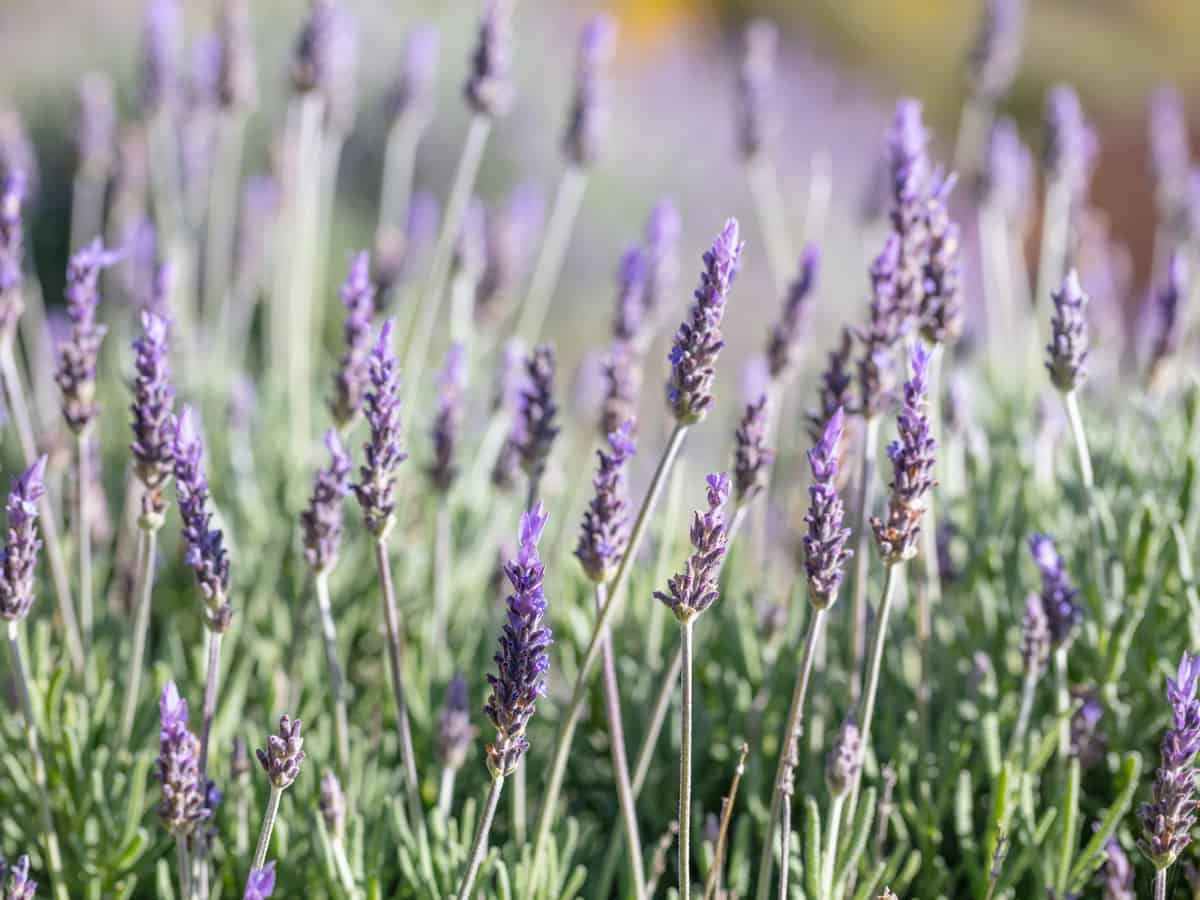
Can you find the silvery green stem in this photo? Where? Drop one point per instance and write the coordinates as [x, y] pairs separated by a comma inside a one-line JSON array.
[[84, 537], [616, 736], [268, 825], [929, 595], [829, 855], [243, 816], [224, 188], [210, 709], [1028, 692], [147, 540], [566, 730], [418, 340], [342, 864], [791, 734], [337, 683], [862, 555], [87, 208], [764, 188], [331, 158], [785, 826], [973, 129], [443, 570], [398, 161], [1160, 884], [184, 864], [820, 193], [1062, 704], [520, 807], [49, 835], [685, 762], [479, 848], [445, 800], [165, 176], [1098, 529], [712, 886], [15, 395], [553, 252], [412, 784]]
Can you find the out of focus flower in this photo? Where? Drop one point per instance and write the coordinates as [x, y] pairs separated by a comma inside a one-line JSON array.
[[79, 353], [834, 391], [96, 131], [510, 233], [622, 388], [941, 297], [353, 374], [205, 545], [757, 122], [489, 88], [535, 426], [1170, 156], [161, 51], [261, 883], [332, 803], [1035, 636], [587, 123], [237, 77], [413, 93], [18, 885], [455, 733], [1070, 142], [1169, 318], [784, 339], [662, 259], [12, 251], [447, 425], [908, 162], [845, 759], [885, 327], [1008, 173], [1118, 873], [1058, 595], [995, 56], [1067, 352], [321, 521]]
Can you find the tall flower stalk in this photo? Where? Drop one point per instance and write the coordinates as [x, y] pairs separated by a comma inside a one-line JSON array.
[[17, 574], [1063, 616], [520, 679], [455, 734], [351, 380], [446, 436], [183, 806], [281, 761]]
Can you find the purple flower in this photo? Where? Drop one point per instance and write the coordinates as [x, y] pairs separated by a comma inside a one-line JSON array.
[[161, 44], [834, 391], [414, 88], [12, 251], [605, 531], [19, 885], [78, 354], [1118, 873], [384, 451], [622, 387], [489, 89], [825, 551], [447, 425], [1168, 818], [284, 754], [995, 56], [631, 296], [941, 294], [205, 545], [535, 429], [757, 122], [783, 341], [885, 327], [662, 259], [318, 48], [587, 123], [509, 233], [350, 383], [1035, 636], [19, 560], [261, 883], [698, 341], [1067, 351], [455, 733], [752, 457], [521, 662], [398, 252], [696, 588], [183, 803], [1170, 155], [321, 522], [845, 759], [96, 131], [912, 456], [909, 165], [332, 803], [237, 73], [153, 410], [1063, 614], [1168, 321], [1070, 150], [1007, 179]]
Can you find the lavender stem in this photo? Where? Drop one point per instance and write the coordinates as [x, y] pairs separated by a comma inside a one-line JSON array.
[[548, 267], [829, 855], [479, 848], [566, 731], [713, 885], [210, 701], [337, 683], [224, 188], [398, 163], [268, 825], [685, 762], [408, 758], [1062, 704], [862, 556], [1028, 692], [1099, 531], [147, 543], [820, 193], [764, 187], [184, 863], [443, 569], [84, 537], [931, 596], [1160, 884], [785, 825], [446, 792]]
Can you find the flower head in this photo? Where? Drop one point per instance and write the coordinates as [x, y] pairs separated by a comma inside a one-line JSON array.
[[455, 733], [752, 456], [784, 339], [1035, 636], [756, 115], [509, 233], [19, 886], [1169, 320], [836, 381], [587, 124], [1118, 873], [845, 759], [698, 341], [1170, 155], [941, 295], [1070, 150], [448, 422], [1067, 352], [1062, 612], [351, 381], [1007, 179], [630, 316], [909, 165], [283, 756], [79, 353], [622, 388], [825, 551], [153, 411], [605, 531], [161, 45], [1168, 818], [19, 559], [384, 451], [321, 521], [205, 545], [183, 803], [237, 76], [521, 661], [696, 588], [662, 259], [413, 92], [995, 57], [261, 883], [535, 428], [332, 803], [12, 250], [489, 89], [885, 327]]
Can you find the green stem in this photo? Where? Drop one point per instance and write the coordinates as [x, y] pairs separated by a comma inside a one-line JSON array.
[[1016, 750], [479, 848], [84, 537], [1052, 262], [398, 162], [566, 730], [712, 886], [445, 800], [222, 219], [1160, 884], [764, 187], [443, 570], [184, 864], [862, 555], [785, 827], [148, 539], [685, 762], [1062, 704], [337, 682], [394, 639], [342, 864], [268, 825], [1086, 476], [829, 856], [210, 699]]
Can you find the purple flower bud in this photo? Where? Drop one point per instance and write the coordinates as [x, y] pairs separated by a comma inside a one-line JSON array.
[[845, 759], [79, 353], [1118, 873], [261, 883], [384, 452], [622, 388], [941, 295], [834, 391], [995, 56], [1168, 323], [205, 545], [1035, 636], [783, 341], [161, 52], [696, 588], [912, 456], [447, 425], [752, 457], [455, 733], [239, 760], [535, 429], [153, 410], [885, 327], [1170, 155], [825, 551], [521, 662], [413, 91], [12, 252], [353, 374], [96, 128], [1008, 173], [19, 885], [630, 316], [909, 165], [698, 341], [1168, 818], [284, 754], [662, 258], [489, 89], [587, 123], [316, 46], [605, 532], [1067, 351], [509, 234], [321, 522], [1070, 142], [237, 73], [1063, 614], [183, 803], [19, 560], [332, 803], [757, 122]]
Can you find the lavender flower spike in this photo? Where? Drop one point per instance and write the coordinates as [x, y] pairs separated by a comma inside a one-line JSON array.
[[995, 56], [1070, 151], [630, 316], [622, 387], [784, 339], [1062, 613], [19, 885], [448, 423], [521, 661], [237, 78], [941, 293], [836, 380], [1118, 873], [1036, 637], [414, 89], [909, 164], [698, 341], [912, 457], [1168, 818], [662, 262], [825, 551], [12, 251], [19, 561], [78, 354], [153, 409], [489, 89], [845, 759], [1067, 351], [535, 427], [283, 756], [321, 522], [261, 883], [886, 325], [695, 589], [587, 124], [205, 546], [350, 383], [605, 531], [183, 802], [384, 451], [752, 457], [332, 803], [454, 729], [1169, 321], [756, 116]]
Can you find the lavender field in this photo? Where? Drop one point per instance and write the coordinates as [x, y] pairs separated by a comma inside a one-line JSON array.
[[375, 529]]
